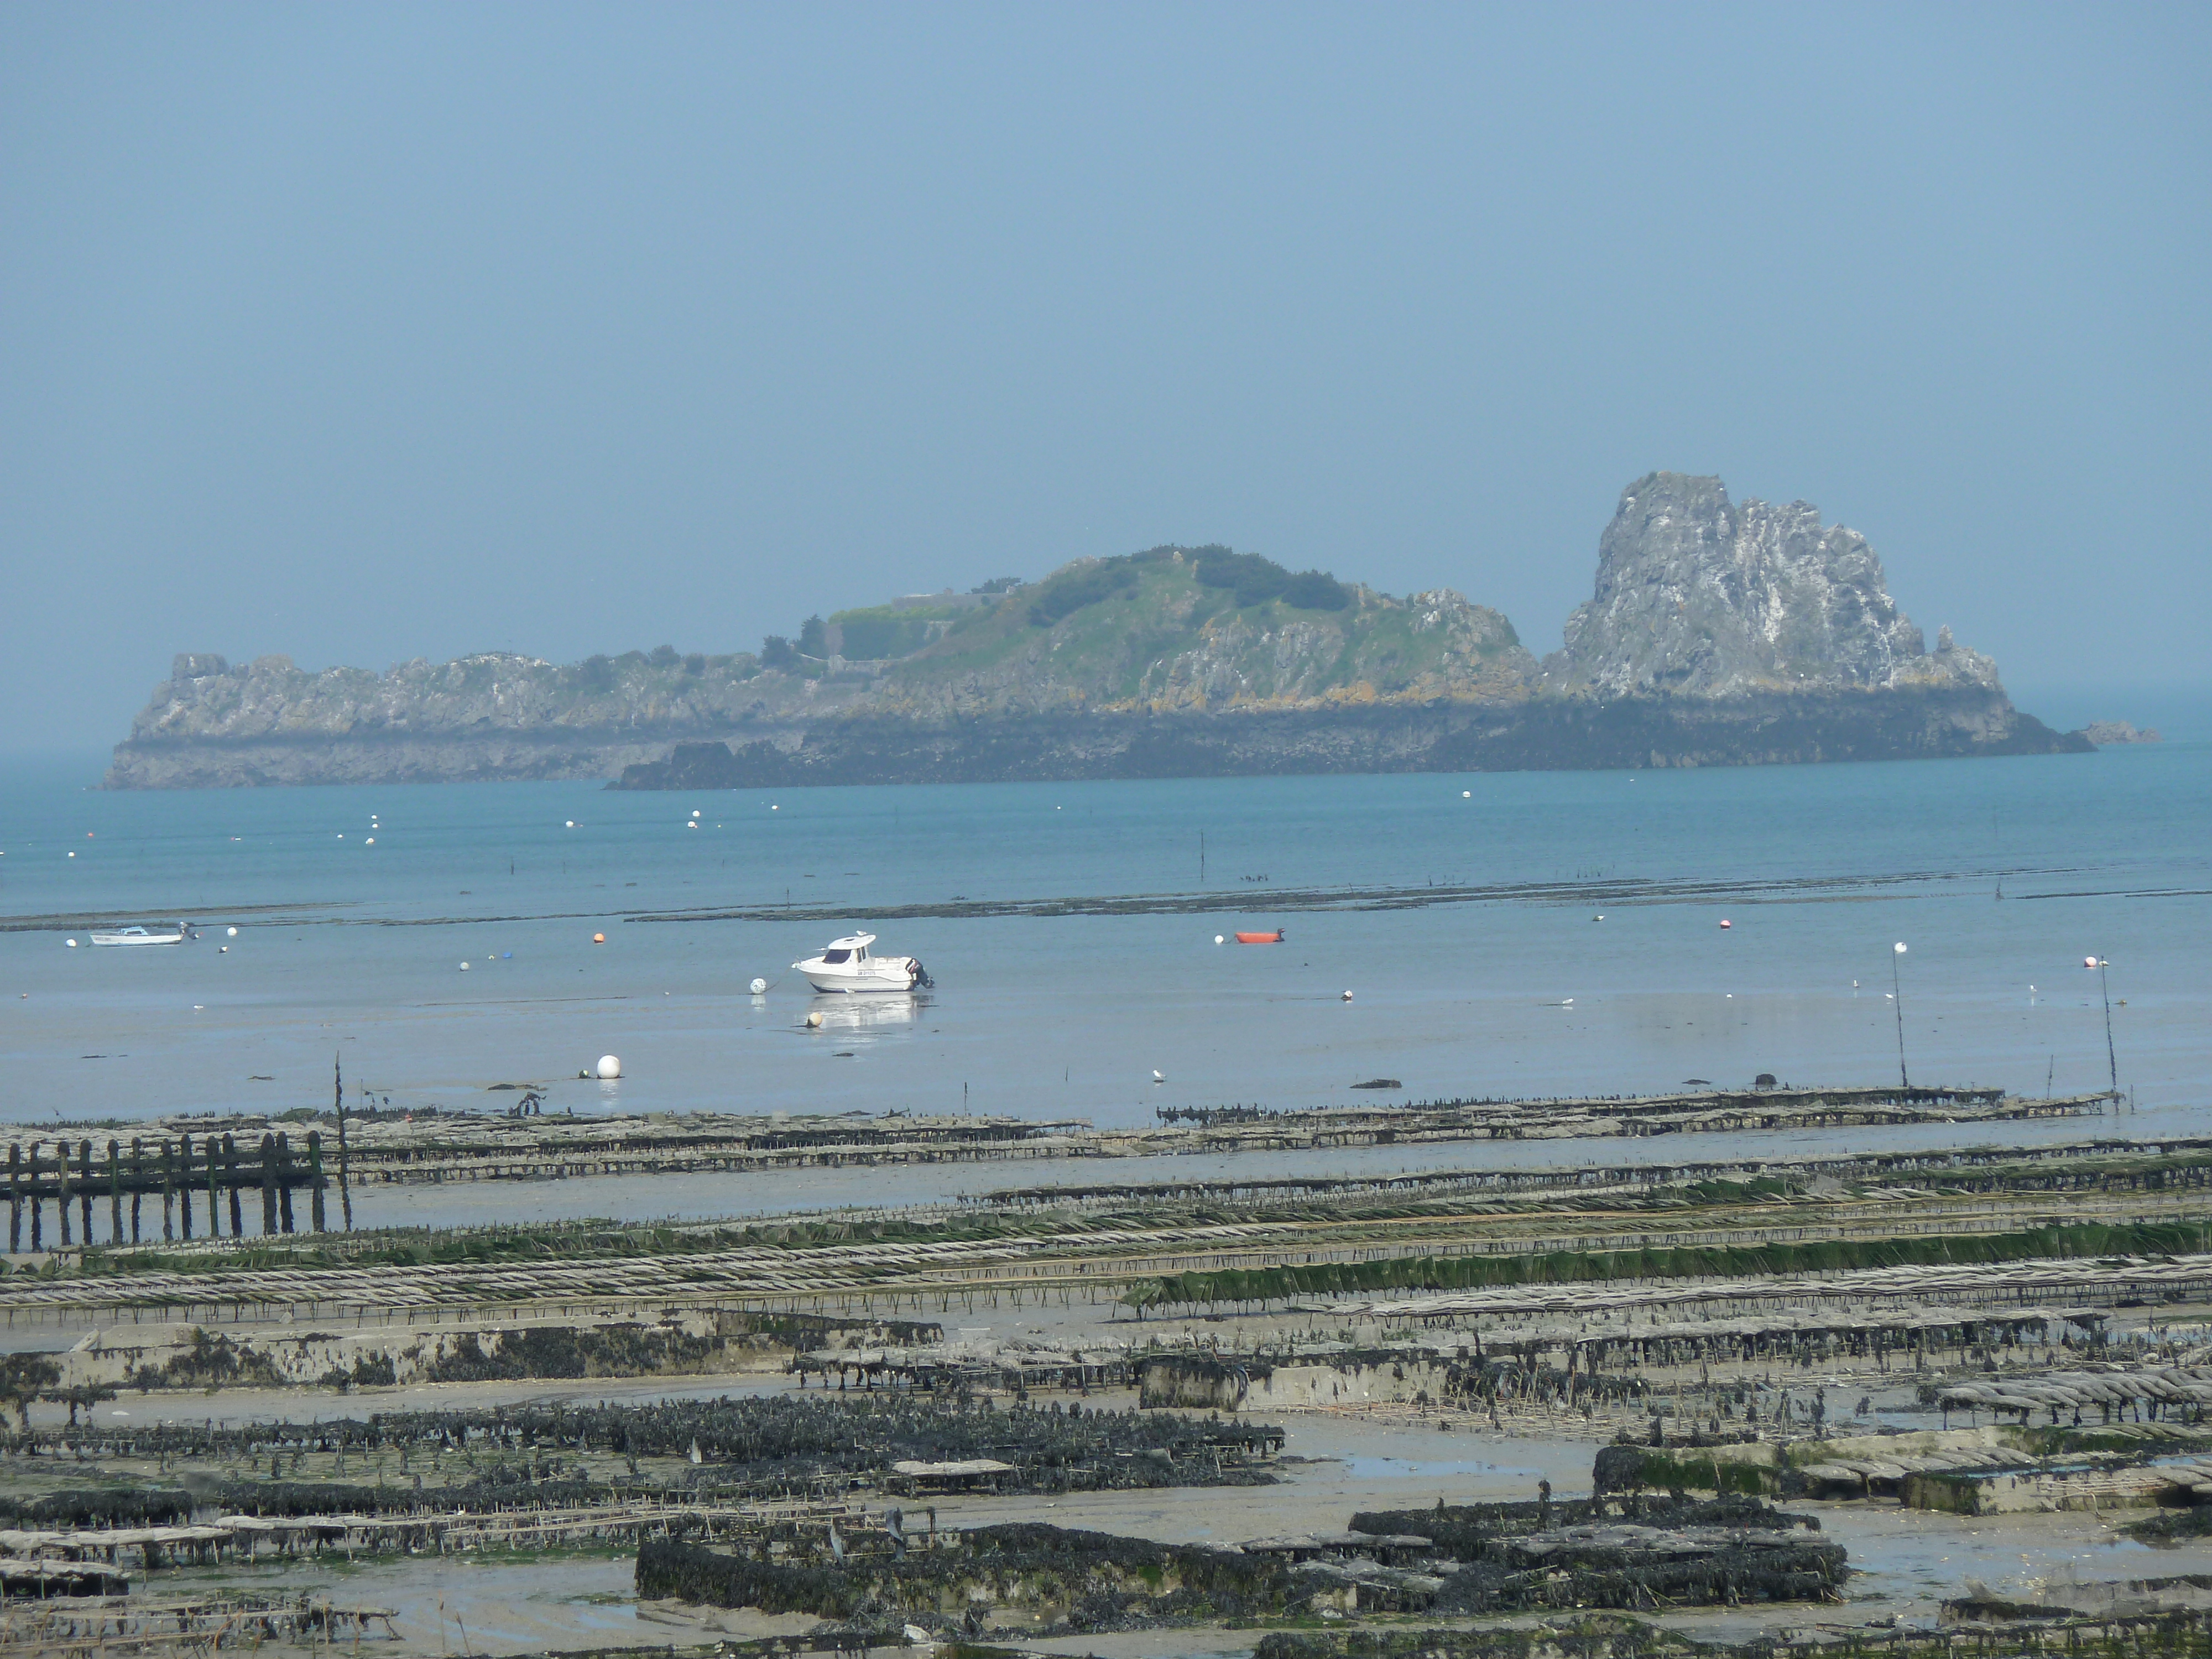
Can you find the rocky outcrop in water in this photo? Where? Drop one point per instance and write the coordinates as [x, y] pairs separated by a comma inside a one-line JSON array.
[[1717, 635], [2102, 732], [1698, 596]]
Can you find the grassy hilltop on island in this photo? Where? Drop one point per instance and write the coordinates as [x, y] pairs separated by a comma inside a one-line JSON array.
[[1199, 629]]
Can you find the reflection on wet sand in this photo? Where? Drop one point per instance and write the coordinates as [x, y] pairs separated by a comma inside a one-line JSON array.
[[865, 1016]]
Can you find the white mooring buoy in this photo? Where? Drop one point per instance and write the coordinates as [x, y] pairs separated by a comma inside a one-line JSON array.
[[609, 1068]]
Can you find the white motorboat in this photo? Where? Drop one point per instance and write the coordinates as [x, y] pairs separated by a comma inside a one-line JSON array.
[[846, 964], [161, 932]]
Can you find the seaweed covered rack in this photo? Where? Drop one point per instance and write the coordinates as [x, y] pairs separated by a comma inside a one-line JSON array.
[[1038, 1579], [736, 1449]]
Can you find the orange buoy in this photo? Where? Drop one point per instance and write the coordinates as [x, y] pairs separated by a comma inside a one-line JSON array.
[[599, 939], [1275, 937]]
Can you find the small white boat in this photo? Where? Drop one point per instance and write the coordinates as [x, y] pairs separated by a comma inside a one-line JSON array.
[[161, 932], [845, 965]]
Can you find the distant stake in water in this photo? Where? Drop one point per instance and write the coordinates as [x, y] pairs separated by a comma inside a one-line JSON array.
[[1897, 997], [2112, 1055]]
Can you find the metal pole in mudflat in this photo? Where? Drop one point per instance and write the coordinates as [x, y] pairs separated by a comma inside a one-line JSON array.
[[2112, 1055], [1897, 996]]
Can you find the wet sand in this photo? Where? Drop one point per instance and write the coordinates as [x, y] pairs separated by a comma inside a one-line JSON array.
[[706, 1196]]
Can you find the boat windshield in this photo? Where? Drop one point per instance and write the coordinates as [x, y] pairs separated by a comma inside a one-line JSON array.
[[835, 956]]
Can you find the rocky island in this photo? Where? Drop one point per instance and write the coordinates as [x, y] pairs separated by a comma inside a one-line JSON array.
[[2102, 732], [1718, 633]]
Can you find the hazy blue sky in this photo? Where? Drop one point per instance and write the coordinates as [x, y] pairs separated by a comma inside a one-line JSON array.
[[373, 331]]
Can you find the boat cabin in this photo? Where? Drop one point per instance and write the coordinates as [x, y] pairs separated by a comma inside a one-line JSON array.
[[853, 949]]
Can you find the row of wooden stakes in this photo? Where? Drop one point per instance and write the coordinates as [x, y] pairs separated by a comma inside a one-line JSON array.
[[171, 1170]]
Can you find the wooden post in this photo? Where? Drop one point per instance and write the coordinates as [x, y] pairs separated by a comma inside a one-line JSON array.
[[61, 1190], [168, 1190], [14, 1196], [230, 1172], [84, 1188], [114, 1191], [137, 1182], [38, 1221], [315, 1179], [345, 1187], [284, 1181], [268, 1184], [185, 1187], [213, 1151]]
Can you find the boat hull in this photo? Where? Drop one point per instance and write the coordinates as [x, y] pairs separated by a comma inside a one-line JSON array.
[[831, 984], [137, 938]]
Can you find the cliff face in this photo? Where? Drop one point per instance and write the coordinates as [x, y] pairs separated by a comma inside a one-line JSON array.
[[1698, 597]]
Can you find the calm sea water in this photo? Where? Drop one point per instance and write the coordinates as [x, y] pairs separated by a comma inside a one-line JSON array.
[[2109, 853]]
